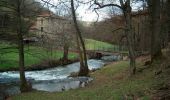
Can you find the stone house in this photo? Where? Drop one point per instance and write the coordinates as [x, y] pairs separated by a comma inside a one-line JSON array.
[[52, 28]]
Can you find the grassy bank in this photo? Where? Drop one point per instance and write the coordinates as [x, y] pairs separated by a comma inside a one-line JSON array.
[[99, 45], [110, 83], [104, 46], [33, 55]]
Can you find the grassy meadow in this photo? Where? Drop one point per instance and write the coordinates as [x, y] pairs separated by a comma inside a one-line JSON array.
[[33, 55]]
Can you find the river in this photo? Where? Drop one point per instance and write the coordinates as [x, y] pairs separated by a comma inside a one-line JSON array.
[[51, 80]]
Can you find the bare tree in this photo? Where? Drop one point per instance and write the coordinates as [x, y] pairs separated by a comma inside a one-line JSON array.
[[125, 7], [24, 85], [80, 42], [83, 58], [22, 13]]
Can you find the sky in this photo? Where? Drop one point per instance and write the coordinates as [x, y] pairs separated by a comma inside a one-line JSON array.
[[86, 14]]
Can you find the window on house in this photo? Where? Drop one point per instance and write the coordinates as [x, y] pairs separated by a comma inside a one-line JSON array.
[[42, 21], [42, 29]]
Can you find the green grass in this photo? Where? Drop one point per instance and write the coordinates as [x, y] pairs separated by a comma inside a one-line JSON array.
[[110, 83], [33, 55], [99, 45]]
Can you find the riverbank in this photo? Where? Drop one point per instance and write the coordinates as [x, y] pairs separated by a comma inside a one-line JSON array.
[[44, 65], [37, 55], [52, 63], [34, 56], [50, 80], [112, 83]]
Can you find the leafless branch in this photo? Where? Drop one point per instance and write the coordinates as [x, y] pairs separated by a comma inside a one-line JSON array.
[[106, 5], [120, 28]]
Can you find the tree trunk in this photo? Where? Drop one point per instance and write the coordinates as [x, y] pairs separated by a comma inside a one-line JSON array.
[[168, 18], [83, 69], [130, 36], [80, 57], [65, 54], [24, 86], [156, 52]]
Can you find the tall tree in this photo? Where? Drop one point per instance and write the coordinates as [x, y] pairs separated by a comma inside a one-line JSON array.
[[154, 9], [83, 58], [80, 42], [126, 9], [22, 13], [130, 33], [24, 87]]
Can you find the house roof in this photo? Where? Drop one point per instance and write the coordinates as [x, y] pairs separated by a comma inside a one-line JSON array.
[[50, 14], [46, 14]]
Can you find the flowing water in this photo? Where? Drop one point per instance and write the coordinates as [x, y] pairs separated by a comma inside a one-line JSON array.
[[51, 80], [54, 79]]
